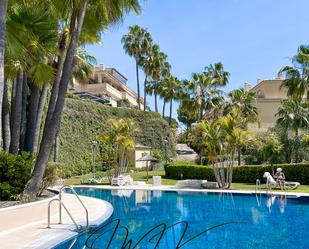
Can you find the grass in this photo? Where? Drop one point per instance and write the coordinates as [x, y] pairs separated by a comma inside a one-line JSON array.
[[251, 186], [142, 176]]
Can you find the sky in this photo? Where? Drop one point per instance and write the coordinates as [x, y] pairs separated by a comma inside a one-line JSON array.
[[252, 38]]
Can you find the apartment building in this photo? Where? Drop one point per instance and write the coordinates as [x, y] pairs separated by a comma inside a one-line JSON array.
[[269, 95], [107, 85]]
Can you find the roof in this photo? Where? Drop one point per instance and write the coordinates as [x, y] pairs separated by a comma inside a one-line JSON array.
[[262, 82], [147, 158]]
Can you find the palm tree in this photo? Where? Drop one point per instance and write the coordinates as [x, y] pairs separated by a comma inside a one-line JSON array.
[[3, 8], [99, 15], [187, 113], [171, 90], [157, 70], [294, 115], [146, 62], [205, 87], [117, 142], [240, 106], [296, 77], [243, 102], [27, 55], [136, 44]]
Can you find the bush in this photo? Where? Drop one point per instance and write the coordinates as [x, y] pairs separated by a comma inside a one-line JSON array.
[[241, 174], [14, 174], [51, 176]]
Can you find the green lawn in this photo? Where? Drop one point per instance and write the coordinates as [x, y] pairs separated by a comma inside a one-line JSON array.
[[142, 176]]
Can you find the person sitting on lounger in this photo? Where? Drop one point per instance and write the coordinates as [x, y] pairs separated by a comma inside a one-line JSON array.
[[280, 178]]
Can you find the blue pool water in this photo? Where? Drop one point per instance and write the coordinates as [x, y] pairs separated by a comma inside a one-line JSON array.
[[261, 221]]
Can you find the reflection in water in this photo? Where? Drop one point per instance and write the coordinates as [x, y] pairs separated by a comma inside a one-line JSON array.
[[265, 217], [122, 192], [273, 200]]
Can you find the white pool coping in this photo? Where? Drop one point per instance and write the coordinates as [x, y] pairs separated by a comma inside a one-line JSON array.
[[173, 188], [36, 235]]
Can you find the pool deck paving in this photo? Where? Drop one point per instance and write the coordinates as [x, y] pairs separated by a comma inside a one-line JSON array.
[[25, 226]]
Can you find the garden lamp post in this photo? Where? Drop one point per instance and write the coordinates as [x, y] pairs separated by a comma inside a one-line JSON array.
[[165, 150], [94, 147]]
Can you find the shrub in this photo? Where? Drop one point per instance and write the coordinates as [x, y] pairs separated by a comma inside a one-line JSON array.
[[242, 174], [51, 175], [14, 174]]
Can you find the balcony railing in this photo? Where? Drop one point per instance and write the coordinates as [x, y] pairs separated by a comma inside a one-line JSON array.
[[116, 74]]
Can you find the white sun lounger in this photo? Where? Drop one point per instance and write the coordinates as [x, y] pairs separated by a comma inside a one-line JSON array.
[[271, 181], [122, 180]]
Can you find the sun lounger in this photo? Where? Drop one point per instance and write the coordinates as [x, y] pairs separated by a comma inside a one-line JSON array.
[[122, 180], [270, 181]]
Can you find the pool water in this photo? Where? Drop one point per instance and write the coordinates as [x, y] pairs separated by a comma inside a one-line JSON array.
[[257, 222]]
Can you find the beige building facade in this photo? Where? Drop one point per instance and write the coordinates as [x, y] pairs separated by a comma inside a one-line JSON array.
[[269, 95], [109, 84], [137, 153]]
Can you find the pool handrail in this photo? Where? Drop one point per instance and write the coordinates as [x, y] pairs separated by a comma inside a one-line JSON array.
[[257, 185], [80, 201], [61, 204], [65, 208]]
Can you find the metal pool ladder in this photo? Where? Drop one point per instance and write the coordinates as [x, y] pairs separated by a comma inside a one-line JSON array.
[[257, 186], [61, 204]]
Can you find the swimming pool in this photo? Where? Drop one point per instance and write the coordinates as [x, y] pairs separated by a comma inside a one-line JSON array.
[[250, 221]]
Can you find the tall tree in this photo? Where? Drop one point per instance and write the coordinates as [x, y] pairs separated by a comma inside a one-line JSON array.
[[204, 87], [240, 106], [243, 102], [136, 44], [171, 90], [158, 70], [98, 15], [294, 114], [297, 76], [17, 114], [6, 131], [3, 9]]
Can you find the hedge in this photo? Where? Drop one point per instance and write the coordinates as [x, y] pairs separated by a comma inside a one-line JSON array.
[[83, 120], [241, 174], [14, 174]]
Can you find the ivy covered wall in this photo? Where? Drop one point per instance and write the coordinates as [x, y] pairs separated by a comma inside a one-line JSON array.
[[83, 120]]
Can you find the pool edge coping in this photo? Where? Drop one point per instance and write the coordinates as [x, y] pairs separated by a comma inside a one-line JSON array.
[[172, 188]]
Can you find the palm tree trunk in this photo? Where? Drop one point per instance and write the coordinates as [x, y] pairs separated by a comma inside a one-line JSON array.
[[16, 114], [38, 123], [239, 155], [3, 7], [56, 149], [187, 131], [156, 103], [145, 93], [201, 110], [32, 117], [55, 88], [34, 184], [137, 85], [171, 110], [6, 132], [296, 151], [24, 113], [12, 102], [163, 109]]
